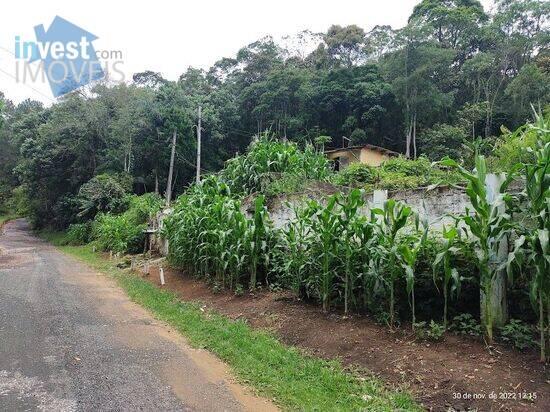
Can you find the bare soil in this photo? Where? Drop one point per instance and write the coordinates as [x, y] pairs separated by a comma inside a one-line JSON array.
[[441, 375]]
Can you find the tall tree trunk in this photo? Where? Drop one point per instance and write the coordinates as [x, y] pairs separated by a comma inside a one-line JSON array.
[[408, 140], [414, 136]]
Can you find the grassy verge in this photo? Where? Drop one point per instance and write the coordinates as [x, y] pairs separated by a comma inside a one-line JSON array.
[[5, 218], [294, 380]]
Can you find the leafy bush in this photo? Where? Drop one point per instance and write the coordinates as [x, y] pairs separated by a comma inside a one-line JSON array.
[[267, 160], [396, 173], [79, 233], [402, 173], [432, 331], [511, 149], [465, 324], [124, 232], [518, 334], [442, 140], [356, 174], [118, 233], [103, 193]]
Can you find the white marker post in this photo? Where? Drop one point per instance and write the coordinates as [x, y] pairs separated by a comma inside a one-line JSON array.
[[161, 271]]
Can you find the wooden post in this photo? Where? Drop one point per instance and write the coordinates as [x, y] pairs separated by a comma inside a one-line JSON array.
[[199, 127], [171, 172], [161, 273]]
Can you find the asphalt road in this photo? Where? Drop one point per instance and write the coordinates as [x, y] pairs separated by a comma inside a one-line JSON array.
[[70, 339]]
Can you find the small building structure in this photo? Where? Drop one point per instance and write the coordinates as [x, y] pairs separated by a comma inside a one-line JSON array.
[[367, 154]]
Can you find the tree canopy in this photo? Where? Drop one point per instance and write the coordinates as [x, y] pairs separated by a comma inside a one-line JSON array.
[[455, 72]]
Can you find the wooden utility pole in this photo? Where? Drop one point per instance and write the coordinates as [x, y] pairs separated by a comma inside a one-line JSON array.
[[199, 147], [171, 172]]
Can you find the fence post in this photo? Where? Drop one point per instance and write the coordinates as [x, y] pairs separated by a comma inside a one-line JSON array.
[[378, 199], [499, 300]]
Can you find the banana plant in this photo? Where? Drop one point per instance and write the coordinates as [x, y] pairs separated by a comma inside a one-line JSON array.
[[448, 273]]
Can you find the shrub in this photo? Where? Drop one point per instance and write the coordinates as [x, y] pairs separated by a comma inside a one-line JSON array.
[[396, 173], [124, 232], [356, 174], [518, 334], [465, 324], [79, 233], [103, 193], [118, 233], [402, 173], [432, 331]]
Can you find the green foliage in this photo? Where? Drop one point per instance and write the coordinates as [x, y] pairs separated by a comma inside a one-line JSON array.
[[532, 248], [513, 148], [442, 140], [124, 232], [396, 173], [450, 274], [519, 334], [465, 324], [210, 235], [401, 173], [268, 160], [488, 222], [333, 253], [79, 233], [356, 174], [118, 233], [104, 193], [433, 331]]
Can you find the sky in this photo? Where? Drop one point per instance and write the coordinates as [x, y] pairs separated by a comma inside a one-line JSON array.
[[168, 36]]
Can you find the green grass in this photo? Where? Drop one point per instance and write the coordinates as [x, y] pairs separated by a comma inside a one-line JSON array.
[[295, 381], [5, 218]]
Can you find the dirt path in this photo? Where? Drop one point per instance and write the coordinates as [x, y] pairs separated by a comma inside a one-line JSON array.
[[436, 373], [70, 339]]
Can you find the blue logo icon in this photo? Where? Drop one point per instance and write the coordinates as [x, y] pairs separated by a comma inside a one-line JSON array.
[[66, 53]]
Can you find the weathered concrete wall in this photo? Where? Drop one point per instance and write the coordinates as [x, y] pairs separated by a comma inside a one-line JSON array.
[[435, 204]]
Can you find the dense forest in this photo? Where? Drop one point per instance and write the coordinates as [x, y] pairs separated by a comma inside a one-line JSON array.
[[454, 76]]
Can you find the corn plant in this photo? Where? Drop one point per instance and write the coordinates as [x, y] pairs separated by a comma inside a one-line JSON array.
[[489, 224], [209, 234], [409, 251], [532, 248], [256, 237], [348, 222], [443, 272], [394, 218], [267, 159], [327, 234]]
